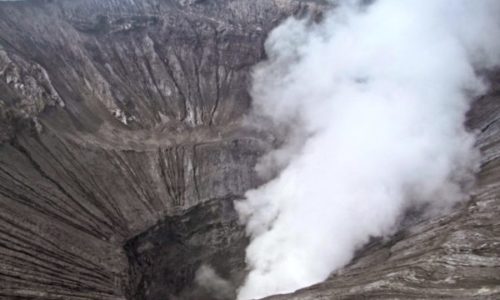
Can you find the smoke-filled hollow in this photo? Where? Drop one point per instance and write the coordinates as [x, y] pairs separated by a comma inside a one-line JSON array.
[[374, 99]]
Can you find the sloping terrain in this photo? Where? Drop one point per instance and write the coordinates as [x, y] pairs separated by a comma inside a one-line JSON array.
[[122, 149], [117, 115]]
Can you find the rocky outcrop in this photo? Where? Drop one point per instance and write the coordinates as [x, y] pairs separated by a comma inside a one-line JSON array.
[[122, 148]]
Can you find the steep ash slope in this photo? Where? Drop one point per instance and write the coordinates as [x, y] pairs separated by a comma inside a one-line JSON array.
[[114, 115], [121, 150]]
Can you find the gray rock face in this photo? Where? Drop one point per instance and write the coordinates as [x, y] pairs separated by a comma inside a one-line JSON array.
[[116, 116], [122, 149]]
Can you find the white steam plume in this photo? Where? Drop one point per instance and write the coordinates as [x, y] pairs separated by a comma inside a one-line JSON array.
[[376, 96]]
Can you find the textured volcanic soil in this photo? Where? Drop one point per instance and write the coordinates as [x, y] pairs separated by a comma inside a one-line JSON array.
[[122, 150]]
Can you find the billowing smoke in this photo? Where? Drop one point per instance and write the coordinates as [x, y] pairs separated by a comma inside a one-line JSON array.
[[373, 102]]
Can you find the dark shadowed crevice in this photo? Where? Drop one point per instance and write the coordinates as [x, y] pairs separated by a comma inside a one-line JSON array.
[[163, 260]]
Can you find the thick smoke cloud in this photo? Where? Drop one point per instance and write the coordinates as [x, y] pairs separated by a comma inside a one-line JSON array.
[[373, 100]]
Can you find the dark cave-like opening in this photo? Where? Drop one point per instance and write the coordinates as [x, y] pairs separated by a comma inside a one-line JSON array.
[[165, 259]]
